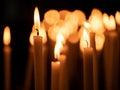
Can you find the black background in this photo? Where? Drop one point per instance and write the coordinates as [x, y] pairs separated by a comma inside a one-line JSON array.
[[18, 14]]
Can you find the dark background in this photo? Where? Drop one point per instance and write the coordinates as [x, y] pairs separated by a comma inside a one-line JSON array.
[[18, 14]]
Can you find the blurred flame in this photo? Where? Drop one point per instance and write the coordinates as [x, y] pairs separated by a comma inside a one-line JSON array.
[[59, 45], [85, 40], [36, 19], [112, 24], [99, 40], [109, 22], [33, 33], [106, 20], [6, 36], [43, 34], [96, 21], [117, 17], [87, 26]]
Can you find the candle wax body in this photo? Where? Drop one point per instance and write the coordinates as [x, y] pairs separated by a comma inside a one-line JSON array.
[[88, 68], [111, 60], [29, 69], [38, 63], [7, 67], [55, 71]]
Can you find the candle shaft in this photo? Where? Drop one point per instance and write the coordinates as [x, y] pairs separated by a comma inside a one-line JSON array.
[[111, 60], [55, 75], [88, 68], [29, 69], [7, 67], [38, 63]]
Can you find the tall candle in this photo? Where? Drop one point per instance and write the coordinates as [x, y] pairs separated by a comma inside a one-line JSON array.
[[111, 60], [55, 75], [7, 58], [88, 68], [37, 53], [29, 66], [87, 61], [63, 81], [111, 55], [63, 78]]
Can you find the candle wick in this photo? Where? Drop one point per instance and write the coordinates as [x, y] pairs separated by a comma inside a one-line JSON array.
[[37, 32]]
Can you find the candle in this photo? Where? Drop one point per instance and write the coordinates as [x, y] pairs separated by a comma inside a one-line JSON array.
[[29, 67], [111, 55], [37, 53], [55, 75], [87, 61], [88, 68], [63, 80], [7, 58]]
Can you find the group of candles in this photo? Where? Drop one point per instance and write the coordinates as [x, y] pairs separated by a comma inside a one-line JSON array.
[[67, 49]]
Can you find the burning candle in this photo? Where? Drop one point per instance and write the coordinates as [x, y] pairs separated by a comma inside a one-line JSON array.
[[111, 54], [63, 81], [7, 58], [38, 53], [87, 61], [55, 75], [55, 70], [58, 66]]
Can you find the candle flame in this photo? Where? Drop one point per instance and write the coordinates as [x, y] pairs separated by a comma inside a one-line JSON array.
[[85, 40], [112, 24], [109, 22], [36, 19], [117, 17], [99, 40], [96, 21], [106, 20], [87, 26], [59, 45], [6, 36]]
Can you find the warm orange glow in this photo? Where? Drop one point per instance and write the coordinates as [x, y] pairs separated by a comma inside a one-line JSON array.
[[6, 36], [96, 21], [36, 19], [51, 17], [117, 17], [87, 26], [84, 40], [43, 34], [109, 22], [63, 13], [99, 40], [59, 45], [106, 20], [33, 33], [112, 24], [81, 16], [72, 18]]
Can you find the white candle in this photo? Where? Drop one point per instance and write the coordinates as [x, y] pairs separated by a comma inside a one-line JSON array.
[[88, 78], [7, 58], [29, 66], [63, 78], [111, 54], [88, 68], [55, 75], [111, 60], [38, 54]]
